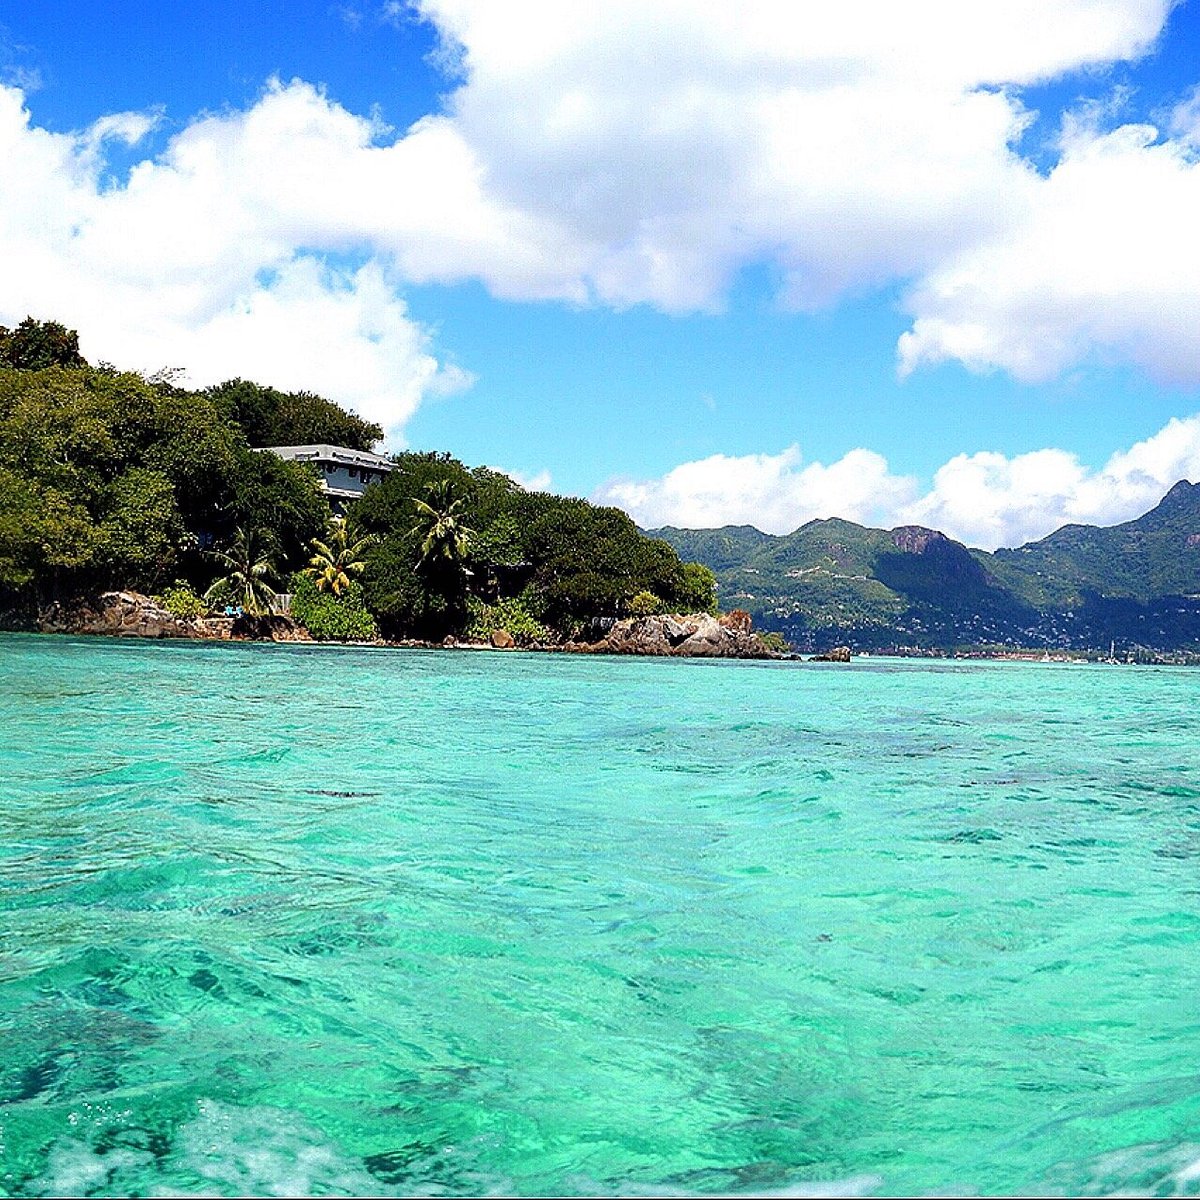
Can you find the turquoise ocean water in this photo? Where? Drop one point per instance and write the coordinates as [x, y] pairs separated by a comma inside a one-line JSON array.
[[307, 920]]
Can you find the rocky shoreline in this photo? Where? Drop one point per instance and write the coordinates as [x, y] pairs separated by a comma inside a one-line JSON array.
[[131, 614]]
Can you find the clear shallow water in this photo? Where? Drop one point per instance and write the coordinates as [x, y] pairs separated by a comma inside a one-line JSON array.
[[287, 920]]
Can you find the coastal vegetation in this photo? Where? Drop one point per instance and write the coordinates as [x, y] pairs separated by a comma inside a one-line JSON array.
[[332, 616], [337, 560], [248, 568], [115, 480]]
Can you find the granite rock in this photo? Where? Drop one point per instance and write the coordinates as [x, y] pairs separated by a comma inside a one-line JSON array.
[[839, 654], [131, 614], [683, 635]]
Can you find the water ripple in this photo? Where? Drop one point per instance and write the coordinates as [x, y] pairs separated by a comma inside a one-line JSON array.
[[349, 922]]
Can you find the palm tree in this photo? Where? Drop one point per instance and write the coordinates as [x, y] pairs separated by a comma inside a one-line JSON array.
[[334, 561], [248, 566], [445, 536]]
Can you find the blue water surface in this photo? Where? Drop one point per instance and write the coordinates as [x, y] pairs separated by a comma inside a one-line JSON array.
[[344, 921]]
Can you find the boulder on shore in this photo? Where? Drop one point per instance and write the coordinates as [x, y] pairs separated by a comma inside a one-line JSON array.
[[839, 654], [115, 614], [131, 614], [737, 619], [692, 635], [502, 639]]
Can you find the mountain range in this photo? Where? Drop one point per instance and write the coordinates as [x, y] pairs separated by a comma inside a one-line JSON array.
[[1084, 587]]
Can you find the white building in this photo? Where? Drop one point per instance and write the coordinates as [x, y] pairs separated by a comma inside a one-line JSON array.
[[344, 474]]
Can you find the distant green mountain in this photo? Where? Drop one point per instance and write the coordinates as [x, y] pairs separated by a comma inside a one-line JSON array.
[[1083, 587], [1156, 555]]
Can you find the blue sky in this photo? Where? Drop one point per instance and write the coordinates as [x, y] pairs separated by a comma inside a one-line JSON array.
[[703, 342]]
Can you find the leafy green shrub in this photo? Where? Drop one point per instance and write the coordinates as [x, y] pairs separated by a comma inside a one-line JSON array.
[[511, 615], [181, 601], [645, 604], [329, 617]]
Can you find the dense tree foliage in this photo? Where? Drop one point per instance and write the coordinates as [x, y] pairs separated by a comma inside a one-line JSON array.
[[406, 598], [273, 418], [109, 479], [37, 344], [568, 560]]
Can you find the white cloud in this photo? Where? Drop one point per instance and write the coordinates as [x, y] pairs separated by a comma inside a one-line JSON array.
[[984, 499], [667, 145], [310, 328], [989, 500], [648, 153], [626, 153], [776, 492], [221, 254], [395, 12], [651, 152], [1105, 264]]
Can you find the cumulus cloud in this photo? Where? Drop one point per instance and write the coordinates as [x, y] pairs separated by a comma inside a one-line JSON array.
[[668, 145], [228, 253], [307, 327], [775, 492], [1104, 265], [651, 152], [989, 500], [531, 481], [984, 499], [627, 153]]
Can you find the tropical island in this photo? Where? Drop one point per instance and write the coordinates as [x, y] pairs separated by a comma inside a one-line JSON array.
[[242, 509], [113, 484]]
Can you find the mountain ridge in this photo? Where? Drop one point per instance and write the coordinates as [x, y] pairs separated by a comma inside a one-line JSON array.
[[913, 587]]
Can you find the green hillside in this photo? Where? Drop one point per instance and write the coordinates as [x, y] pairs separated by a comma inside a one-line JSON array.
[[1156, 555], [1083, 587]]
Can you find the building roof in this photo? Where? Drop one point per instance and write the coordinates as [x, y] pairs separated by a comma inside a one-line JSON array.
[[341, 455]]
